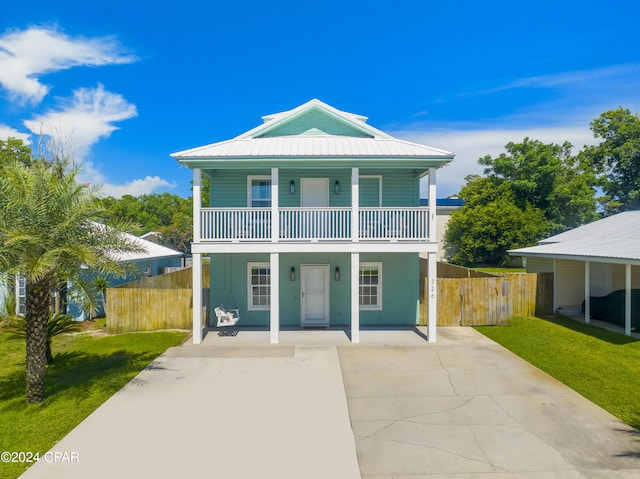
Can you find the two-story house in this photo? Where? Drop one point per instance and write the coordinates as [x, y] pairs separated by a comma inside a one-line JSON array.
[[315, 221]]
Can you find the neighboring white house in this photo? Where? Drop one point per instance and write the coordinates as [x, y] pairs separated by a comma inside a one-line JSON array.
[[154, 259], [591, 260]]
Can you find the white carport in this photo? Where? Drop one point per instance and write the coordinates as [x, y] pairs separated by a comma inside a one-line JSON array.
[[612, 243]]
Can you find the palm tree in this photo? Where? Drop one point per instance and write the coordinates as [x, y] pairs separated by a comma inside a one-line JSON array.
[[48, 235]]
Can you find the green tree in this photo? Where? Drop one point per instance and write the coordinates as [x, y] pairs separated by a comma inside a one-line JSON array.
[[12, 150], [617, 158], [47, 235], [547, 177], [171, 215], [490, 223]]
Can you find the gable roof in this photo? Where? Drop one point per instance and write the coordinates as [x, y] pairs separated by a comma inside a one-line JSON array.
[[615, 239], [271, 122], [273, 140], [151, 251]]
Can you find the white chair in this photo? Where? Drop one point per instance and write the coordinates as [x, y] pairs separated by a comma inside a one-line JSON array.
[[226, 317]]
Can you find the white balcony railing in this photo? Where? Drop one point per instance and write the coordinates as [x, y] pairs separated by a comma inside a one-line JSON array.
[[394, 224], [235, 224], [315, 224]]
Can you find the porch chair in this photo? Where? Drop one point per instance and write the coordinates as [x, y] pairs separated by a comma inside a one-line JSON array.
[[226, 317]]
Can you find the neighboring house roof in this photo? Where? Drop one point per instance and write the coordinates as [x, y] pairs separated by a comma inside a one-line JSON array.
[[614, 239], [151, 251], [315, 131]]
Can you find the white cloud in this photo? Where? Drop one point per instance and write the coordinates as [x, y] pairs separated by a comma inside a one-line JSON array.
[[138, 187], [28, 54], [86, 118], [150, 184], [7, 132]]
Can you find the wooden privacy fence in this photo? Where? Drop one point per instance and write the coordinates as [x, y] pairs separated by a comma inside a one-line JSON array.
[[489, 300], [159, 302]]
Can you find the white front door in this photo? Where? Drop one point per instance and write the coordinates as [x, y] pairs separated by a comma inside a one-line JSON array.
[[314, 295], [314, 192]]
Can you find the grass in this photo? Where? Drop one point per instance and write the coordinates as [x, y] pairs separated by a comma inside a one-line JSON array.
[[501, 270], [601, 365], [87, 370]]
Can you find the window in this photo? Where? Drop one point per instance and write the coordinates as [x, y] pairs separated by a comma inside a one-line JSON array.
[[259, 191], [259, 287], [21, 295], [371, 286]]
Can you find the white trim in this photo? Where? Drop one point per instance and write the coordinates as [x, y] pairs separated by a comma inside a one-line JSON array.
[[274, 314], [433, 207], [327, 302], [250, 266], [355, 297], [379, 187], [378, 306], [250, 179], [355, 205], [587, 292], [197, 179], [197, 298], [325, 181], [432, 300], [315, 247]]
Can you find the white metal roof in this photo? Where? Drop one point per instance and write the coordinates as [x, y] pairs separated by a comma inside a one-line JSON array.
[[151, 251], [623, 226], [615, 239], [314, 146]]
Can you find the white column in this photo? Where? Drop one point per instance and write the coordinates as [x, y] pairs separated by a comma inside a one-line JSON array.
[[274, 312], [627, 301], [355, 297], [197, 297], [275, 214], [555, 286], [432, 273], [432, 206], [197, 178], [587, 292], [355, 204]]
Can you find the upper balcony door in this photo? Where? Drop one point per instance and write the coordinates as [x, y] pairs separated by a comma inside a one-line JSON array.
[[314, 192]]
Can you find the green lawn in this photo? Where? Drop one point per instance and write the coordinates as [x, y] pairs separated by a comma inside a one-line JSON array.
[[87, 370], [600, 365], [501, 270]]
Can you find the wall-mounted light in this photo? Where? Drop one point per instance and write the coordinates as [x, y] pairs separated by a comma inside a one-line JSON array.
[[336, 187], [292, 274], [292, 187], [337, 273]]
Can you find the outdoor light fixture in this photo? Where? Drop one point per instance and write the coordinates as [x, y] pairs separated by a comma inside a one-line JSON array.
[[292, 274], [336, 187], [292, 187], [337, 273]]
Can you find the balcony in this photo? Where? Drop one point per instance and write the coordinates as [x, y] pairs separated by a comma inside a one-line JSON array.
[[315, 224]]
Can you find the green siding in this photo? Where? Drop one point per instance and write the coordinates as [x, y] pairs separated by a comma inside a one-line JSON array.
[[399, 187], [319, 122], [400, 292]]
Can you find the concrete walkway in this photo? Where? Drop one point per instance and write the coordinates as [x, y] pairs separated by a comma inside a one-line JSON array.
[[237, 407]]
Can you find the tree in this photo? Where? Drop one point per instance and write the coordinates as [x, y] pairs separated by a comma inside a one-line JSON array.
[[48, 234], [171, 215], [14, 150], [490, 223], [547, 177], [617, 158]]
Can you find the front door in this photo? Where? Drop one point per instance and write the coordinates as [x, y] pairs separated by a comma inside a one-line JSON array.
[[314, 192], [314, 295]]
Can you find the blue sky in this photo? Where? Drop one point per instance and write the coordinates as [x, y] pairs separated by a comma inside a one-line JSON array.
[[121, 85]]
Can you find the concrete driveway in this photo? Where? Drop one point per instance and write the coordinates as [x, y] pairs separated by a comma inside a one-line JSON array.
[[316, 406]]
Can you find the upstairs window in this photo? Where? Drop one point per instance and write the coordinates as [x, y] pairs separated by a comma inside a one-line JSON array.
[[259, 191]]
